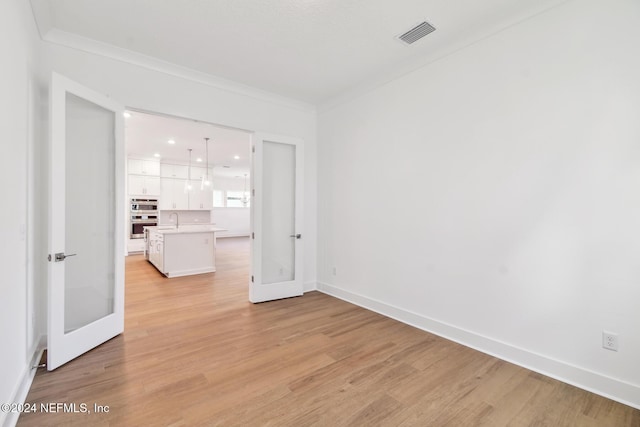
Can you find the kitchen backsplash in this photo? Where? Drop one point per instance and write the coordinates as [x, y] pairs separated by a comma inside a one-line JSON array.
[[185, 217]]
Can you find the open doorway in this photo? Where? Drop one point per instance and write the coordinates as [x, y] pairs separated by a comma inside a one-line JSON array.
[[192, 175]]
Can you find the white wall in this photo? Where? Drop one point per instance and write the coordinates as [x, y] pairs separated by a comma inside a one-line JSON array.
[[237, 221], [493, 196], [18, 122]]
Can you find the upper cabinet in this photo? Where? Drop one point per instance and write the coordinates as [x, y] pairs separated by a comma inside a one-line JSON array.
[[173, 195], [167, 182], [144, 167], [197, 173], [144, 177], [174, 171], [140, 185]]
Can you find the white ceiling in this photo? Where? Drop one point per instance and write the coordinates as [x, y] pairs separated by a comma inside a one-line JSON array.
[[308, 50], [148, 134]]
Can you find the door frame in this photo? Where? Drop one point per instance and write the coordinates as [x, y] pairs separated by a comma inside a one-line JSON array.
[[299, 142]]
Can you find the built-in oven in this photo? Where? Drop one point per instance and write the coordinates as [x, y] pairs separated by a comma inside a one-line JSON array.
[[144, 213], [144, 205], [139, 222]]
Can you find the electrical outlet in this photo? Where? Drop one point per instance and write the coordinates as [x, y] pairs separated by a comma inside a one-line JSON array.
[[610, 341]]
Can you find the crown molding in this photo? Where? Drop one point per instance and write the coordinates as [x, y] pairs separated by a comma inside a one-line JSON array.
[[106, 50]]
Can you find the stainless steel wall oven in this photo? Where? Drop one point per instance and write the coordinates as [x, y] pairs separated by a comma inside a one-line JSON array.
[[144, 213]]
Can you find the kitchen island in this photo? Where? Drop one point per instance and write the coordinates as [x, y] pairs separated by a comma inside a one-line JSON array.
[[182, 251]]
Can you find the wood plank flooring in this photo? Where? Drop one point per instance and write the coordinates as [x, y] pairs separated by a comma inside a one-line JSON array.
[[195, 352]]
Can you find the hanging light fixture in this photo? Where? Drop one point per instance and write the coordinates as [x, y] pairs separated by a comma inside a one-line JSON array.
[[245, 195], [206, 182], [187, 185]]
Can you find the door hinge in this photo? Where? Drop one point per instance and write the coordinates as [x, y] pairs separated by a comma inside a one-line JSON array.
[[253, 193], [251, 279], [253, 235], [253, 149]]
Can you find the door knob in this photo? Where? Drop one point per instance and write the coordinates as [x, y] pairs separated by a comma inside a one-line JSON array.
[[60, 256], [297, 236]]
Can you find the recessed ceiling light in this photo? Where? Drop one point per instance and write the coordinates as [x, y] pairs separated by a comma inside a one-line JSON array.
[[171, 141], [156, 155], [198, 159], [236, 157], [126, 114]]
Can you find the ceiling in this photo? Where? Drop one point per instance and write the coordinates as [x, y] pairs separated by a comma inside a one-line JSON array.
[[307, 50], [148, 134]]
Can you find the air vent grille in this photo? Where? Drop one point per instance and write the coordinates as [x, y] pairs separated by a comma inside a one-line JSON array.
[[417, 32]]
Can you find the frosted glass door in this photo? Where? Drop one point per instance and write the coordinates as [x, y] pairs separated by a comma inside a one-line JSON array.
[[279, 227], [277, 219], [86, 261]]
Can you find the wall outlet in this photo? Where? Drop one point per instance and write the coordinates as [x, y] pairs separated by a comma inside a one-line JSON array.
[[610, 341]]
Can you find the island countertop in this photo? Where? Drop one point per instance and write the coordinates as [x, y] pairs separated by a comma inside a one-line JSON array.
[[187, 228], [182, 251]]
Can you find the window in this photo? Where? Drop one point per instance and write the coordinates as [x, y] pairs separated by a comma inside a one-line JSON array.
[[235, 199], [230, 199]]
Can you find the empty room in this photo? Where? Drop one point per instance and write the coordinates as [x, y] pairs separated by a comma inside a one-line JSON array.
[[410, 213]]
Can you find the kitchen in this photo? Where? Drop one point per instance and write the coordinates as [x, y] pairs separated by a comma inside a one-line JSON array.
[[187, 186]]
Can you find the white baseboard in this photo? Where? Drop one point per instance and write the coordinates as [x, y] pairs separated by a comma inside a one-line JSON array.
[[309, 286], [22, 391], [611, 388]]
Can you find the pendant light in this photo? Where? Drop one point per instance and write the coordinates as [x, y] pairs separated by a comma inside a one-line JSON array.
[[187, 185], [206, 182]]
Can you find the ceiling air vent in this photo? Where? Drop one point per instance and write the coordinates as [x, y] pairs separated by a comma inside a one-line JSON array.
[[417, 32]]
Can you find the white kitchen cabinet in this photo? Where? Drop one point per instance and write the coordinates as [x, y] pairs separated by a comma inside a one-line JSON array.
[[143, 167], [201, 200], [174, 171], [141, 185], [172, 195], [184, 251], [197, 173]]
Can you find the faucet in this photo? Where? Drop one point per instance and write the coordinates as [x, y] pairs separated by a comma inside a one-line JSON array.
[[176, 214]]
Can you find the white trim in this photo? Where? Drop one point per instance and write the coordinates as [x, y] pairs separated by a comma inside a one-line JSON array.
[[611, 388], [94, 47], [21, 392], [429, 57], [309, 286]]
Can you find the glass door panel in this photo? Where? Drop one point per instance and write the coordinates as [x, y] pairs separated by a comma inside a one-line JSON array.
[[90, 212], [278, 215]]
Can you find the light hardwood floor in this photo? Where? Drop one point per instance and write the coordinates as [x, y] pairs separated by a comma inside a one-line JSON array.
[[196, 352]]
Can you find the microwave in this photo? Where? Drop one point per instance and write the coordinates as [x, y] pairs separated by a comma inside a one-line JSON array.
[[144, 206]]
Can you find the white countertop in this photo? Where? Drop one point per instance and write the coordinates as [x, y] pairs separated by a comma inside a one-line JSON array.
[[187, 228]]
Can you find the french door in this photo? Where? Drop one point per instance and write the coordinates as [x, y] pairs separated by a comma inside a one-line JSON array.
[[276, 218], [86, 221]]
